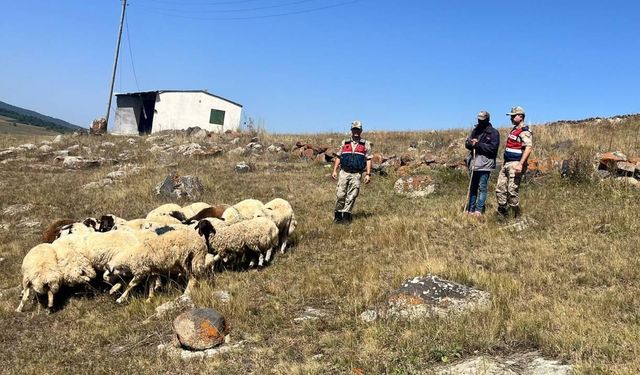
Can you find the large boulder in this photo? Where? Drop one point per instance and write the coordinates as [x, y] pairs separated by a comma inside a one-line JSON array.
[[98, 126], [200, 329], [176, 186], [415, 186], [197, 132], [424, 297]]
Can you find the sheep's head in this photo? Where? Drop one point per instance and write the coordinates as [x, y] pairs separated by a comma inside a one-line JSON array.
[[206, 230], [106, 223]]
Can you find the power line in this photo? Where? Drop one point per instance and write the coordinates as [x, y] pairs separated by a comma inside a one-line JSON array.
[[309, 10], [232, 10], [196, 2], [133, 67]]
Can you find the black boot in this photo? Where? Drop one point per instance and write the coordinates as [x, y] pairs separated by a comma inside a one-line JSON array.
[[502, 213], [337, 217], [516, 212], [346, 218]]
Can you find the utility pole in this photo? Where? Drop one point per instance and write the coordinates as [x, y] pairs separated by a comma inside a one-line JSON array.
[[115, 61]]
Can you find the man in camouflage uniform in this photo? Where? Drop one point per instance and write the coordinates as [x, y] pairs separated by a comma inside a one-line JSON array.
[[354, 159], [517, 150]]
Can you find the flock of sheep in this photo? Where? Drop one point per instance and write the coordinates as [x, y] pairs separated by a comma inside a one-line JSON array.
[[171, 240]]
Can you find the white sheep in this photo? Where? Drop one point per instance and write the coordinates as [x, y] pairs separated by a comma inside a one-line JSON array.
[[184, 250], [258, 236], [65, 227], [164, 213], [242, 210], [47, 267], [281, 213], [99, 247]]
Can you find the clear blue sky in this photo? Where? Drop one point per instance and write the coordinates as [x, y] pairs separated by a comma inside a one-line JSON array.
[[395, 65]]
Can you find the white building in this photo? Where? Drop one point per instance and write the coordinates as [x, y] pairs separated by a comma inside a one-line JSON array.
[[154, 111]]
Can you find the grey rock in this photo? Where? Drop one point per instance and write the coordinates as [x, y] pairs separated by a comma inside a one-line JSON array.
[[423, 297], [311, 313], [45, 148], [188, 355], [117, 175], [8, 153], [61, 153], [238, 151], [107, 145], [131, 141], [200, 329], [530, 363], [77, 162], [369, 316], [196, 132], [17, 209], [73, 148], [28, 146], [98, 184], [242, 167], [175, 186], [520, 225], [415, 186], [628, 181], [222, 296]]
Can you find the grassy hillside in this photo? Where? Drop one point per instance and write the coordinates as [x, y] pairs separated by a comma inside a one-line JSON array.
[[567, 286], [10, 126], [19, 115]]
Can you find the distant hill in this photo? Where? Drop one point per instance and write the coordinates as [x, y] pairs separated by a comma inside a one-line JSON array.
[[25, 116]]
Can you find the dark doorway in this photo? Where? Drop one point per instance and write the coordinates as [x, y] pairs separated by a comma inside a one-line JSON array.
[[146, 112]]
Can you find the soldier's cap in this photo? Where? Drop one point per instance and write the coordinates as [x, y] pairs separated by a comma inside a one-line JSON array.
[[516, 111], [356, 125], [483, 115]]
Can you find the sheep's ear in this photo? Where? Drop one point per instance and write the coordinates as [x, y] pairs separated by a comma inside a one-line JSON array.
[[90, 222], [177, 215]]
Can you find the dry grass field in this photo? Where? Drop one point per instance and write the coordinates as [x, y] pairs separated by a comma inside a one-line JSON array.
[[567, 286]]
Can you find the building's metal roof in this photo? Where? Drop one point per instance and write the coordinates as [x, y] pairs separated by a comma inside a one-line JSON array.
[[161, 91]]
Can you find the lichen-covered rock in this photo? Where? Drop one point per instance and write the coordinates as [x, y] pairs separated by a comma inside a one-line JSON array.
[[530, 363], [242, 167], [98, 126], [77, 162], [175, 186], [415, 186], [200, 329], [423, 297]]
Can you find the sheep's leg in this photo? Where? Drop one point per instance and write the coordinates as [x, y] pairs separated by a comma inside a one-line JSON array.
[[283, 247], [261, 260], [49, 301], [191, 284], [132, 284], [153, 286], [116, 287], [25, 298], [268, 256]]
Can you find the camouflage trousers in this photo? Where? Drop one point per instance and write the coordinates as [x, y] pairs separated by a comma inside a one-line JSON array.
[[508, 184], [347, 190]]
